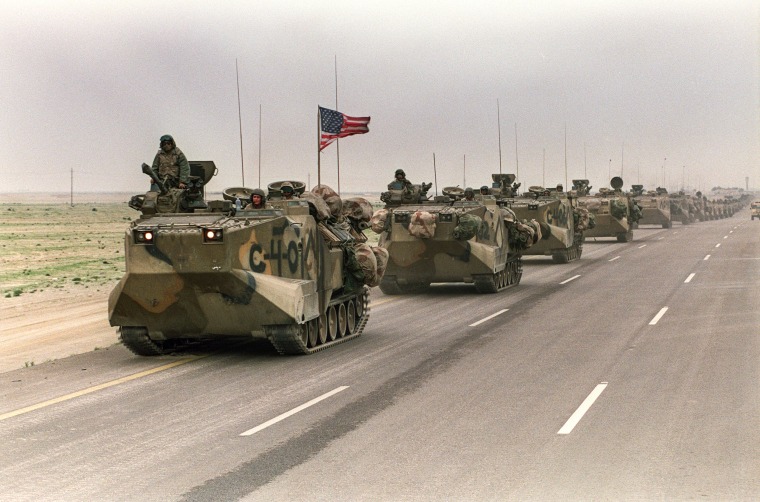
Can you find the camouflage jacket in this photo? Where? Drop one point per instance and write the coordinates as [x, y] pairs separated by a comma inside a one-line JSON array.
[[173, 164], [400, 184]]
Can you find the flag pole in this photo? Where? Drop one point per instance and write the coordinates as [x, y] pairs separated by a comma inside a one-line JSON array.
[[319, 154], [240, 121], [337, 141]]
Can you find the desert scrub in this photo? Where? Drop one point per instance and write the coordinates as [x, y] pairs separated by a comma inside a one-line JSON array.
[[50, 245]]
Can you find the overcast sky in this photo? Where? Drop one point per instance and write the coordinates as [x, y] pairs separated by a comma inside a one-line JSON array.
[[92, 85]]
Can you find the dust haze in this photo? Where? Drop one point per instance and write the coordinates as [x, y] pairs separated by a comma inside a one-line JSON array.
[[662, 94]]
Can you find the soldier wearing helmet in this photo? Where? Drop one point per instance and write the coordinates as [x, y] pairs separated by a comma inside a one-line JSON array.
[[170, 164], [258, 200], [400, 182], [484, 190], [287, 190], [469, 194]]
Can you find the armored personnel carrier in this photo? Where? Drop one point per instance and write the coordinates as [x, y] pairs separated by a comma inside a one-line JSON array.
[[682, 208], [562, 223], [449, 239], [292, 273], [615, 212], [654, 205]]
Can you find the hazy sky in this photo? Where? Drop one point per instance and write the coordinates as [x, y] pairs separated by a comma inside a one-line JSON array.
[[92, 85]]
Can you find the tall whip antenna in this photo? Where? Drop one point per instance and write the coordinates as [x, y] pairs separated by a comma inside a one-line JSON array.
[[240, 122]]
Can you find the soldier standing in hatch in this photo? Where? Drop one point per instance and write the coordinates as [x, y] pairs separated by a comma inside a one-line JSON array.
[[170, 164], [400, 182], [287, 190], [469, 194]]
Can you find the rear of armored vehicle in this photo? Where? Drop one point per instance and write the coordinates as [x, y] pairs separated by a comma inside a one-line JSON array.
[[612, 217], [459, 242], [555, 216], [267, 273], [655, 210]]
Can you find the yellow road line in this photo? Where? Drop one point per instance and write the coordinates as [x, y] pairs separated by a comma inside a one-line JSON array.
[[96, 388]]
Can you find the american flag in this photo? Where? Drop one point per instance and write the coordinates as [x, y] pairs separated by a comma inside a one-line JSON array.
[[336, 125]]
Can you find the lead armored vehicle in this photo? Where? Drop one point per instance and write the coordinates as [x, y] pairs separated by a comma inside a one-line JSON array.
[[449, 239], [615, 212], [292, 273], [562, 223], [654, 205]]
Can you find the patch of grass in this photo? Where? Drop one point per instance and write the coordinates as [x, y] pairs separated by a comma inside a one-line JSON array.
[[44, 245]]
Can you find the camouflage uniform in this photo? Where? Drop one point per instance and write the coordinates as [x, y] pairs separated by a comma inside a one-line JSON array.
[[400, 184], [172, 164]]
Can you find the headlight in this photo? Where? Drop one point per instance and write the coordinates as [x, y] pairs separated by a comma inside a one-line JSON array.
[[144, 236], [212, 235]]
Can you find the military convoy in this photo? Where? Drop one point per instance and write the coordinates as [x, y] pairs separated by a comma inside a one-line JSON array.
[[296, 272], [615, 212], [449, 239]]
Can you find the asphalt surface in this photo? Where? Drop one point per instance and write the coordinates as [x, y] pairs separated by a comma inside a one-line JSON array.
[[631, 374]]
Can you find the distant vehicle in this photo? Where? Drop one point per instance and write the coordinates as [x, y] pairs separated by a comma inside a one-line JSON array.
[[755, 210], [449, 239], [292, 273]]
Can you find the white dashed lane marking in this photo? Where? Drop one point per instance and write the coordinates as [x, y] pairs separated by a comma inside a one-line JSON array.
[[658, 316], [488, 318], [582, 409], [293, 411]]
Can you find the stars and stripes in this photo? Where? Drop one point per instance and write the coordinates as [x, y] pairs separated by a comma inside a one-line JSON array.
[[336, 125]]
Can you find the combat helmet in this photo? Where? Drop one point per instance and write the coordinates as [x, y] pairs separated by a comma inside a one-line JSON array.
[[401, 172], [166, 138], [287, 188], [259, 192]]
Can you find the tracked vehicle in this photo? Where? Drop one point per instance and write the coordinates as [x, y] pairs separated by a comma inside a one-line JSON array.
[[682, 208], [615, 212], [562, 223], [655, 206], [449, 239], [207, 271]]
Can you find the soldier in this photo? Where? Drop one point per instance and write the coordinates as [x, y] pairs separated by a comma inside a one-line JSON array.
[[287, 190], [484, 190], [258, 200], [469, 194], [400, 182], [170, 164]]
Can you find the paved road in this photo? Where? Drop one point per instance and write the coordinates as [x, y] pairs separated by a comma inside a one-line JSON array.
[[631, 374]]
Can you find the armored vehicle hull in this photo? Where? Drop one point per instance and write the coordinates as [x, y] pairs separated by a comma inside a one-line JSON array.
[[682, 208], [555, 215], [609, 226], [449, 242], [277, 273], [655, 210], [615, 212]]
